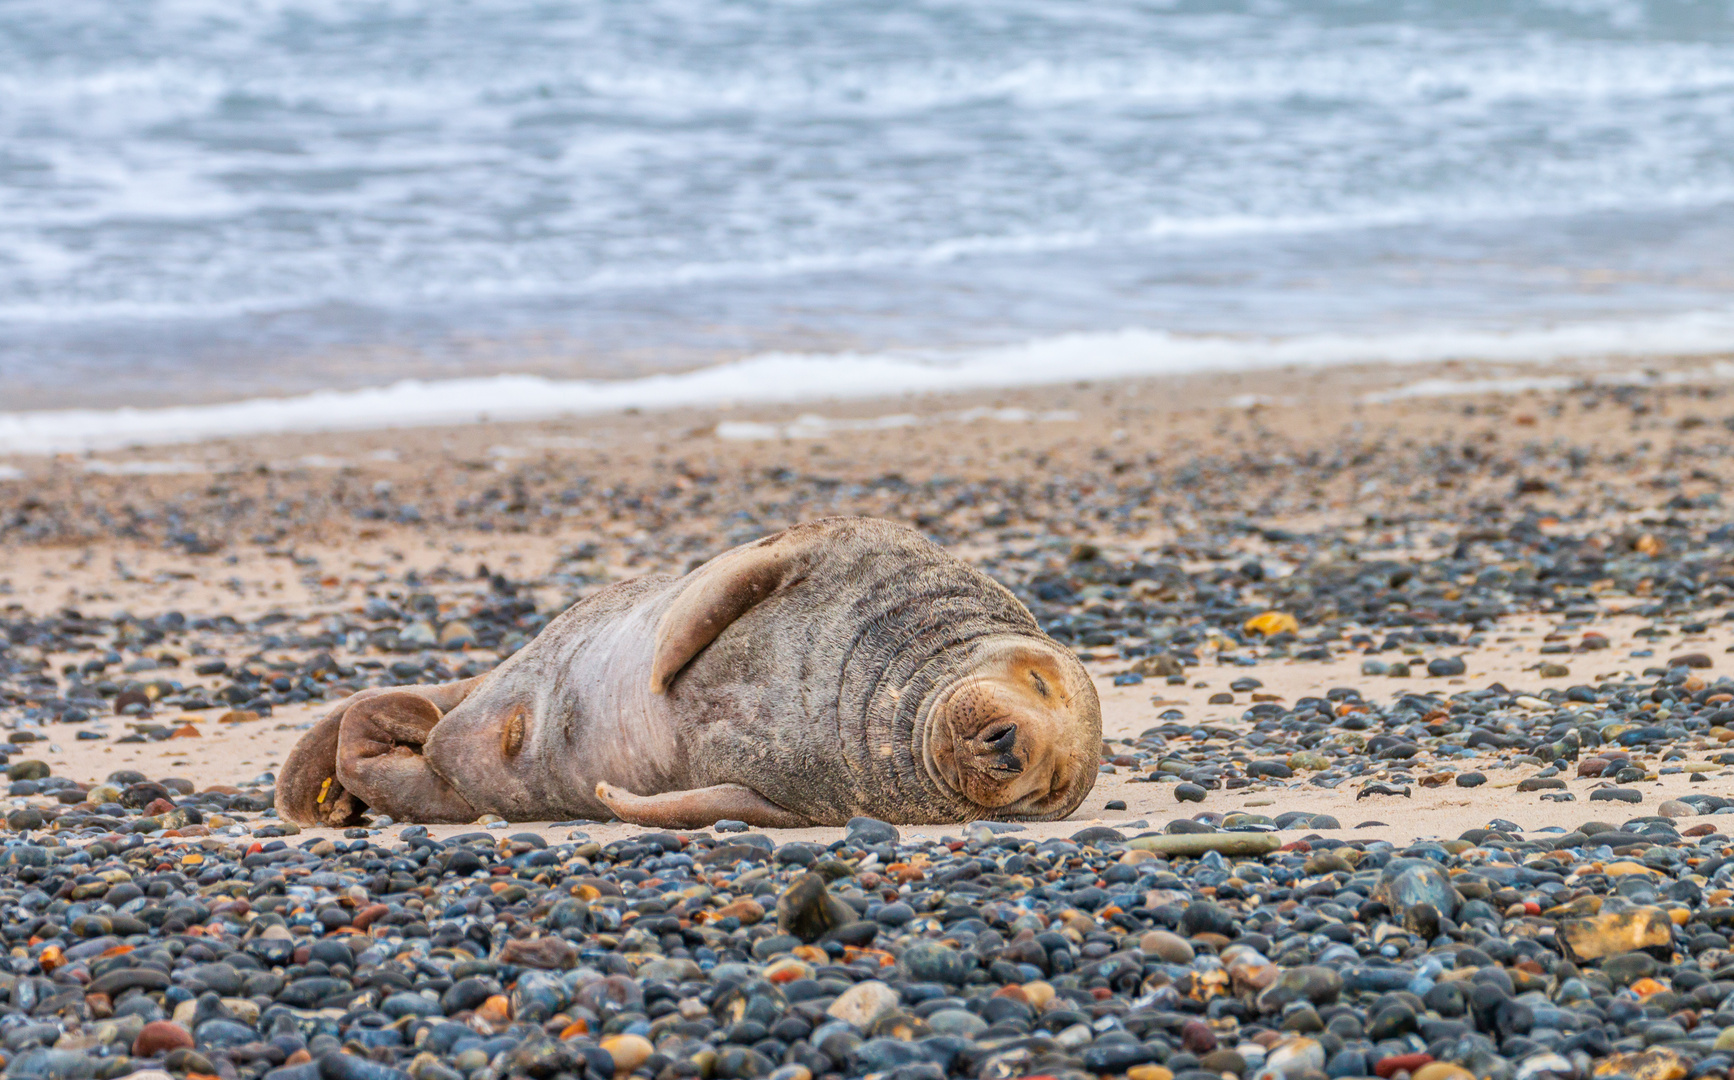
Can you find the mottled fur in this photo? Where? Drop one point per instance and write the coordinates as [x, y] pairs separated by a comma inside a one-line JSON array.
[[843, 667]]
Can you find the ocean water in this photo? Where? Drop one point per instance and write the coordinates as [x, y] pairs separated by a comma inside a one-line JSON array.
[[204, 201]]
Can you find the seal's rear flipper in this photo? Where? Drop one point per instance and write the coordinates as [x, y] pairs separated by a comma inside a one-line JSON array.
[[379, 759], [307, 788], [727, 587], [699, 807], [311, 788]]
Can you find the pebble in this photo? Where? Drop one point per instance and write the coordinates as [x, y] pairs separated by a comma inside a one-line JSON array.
[[159, 1037], [628, 1051], [808, 911], [864, 1004], [1293, 1057], [1616, 933], [1170, 947], [931, 961]]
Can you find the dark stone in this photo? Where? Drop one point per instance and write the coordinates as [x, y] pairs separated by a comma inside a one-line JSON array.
[[1203, 916], [808, 911], [867, 832], [930, 961]]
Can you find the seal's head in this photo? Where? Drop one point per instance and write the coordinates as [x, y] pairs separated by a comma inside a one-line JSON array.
[[1018, 731]]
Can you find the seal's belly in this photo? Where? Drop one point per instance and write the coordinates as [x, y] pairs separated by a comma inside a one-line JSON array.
[[580, 697]]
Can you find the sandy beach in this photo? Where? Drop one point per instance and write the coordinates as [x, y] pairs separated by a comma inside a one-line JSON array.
[[368, 549]]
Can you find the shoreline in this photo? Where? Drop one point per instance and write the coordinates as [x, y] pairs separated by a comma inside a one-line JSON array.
[[1537, 358]]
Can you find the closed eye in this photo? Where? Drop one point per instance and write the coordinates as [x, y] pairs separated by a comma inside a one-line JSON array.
[[1041, 686]]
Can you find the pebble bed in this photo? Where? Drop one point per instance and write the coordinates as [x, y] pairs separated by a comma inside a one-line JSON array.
[[157, 924], [149, 931]]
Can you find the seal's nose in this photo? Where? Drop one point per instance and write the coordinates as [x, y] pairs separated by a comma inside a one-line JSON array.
[[1003, 741]]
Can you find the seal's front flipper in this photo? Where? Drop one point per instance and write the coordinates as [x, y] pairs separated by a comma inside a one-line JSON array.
[[379, 760], [699, 807], [727, 587]]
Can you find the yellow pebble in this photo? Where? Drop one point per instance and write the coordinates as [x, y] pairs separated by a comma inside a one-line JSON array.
[[1272, 622], [1619, 869], [1039, 992], [628, 1051]]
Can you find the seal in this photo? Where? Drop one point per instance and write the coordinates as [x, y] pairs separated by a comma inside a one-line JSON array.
[[843, 667]]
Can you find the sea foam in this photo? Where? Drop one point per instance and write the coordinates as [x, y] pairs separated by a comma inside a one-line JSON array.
[[786, 378]]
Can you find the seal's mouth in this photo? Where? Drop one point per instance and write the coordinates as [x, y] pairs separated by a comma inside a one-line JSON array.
[[1016, 734]]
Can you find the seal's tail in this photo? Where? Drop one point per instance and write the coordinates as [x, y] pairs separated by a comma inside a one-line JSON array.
[[350, 760]]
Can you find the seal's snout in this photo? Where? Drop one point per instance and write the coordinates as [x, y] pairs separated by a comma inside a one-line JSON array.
[[1018, 733], [1002, 740], [1008, 743]]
